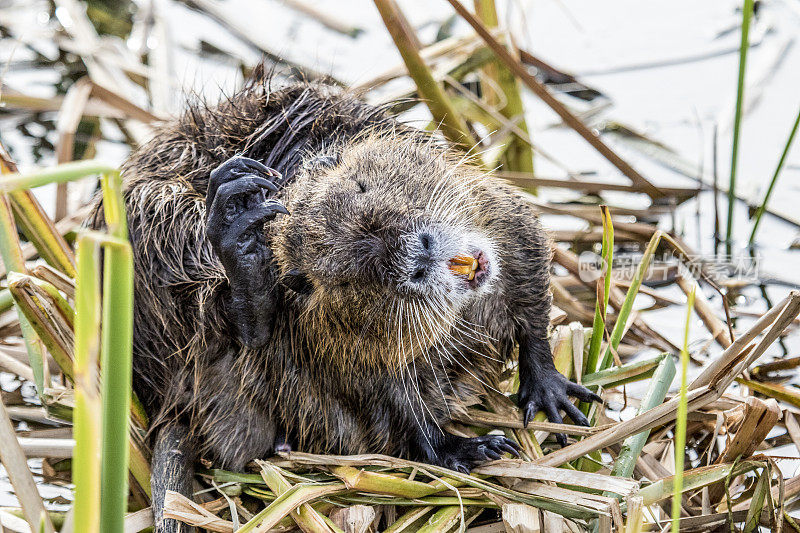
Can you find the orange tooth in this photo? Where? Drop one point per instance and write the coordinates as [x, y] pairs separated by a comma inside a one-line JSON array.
[[464, 265], [464, 270], [462, 260]]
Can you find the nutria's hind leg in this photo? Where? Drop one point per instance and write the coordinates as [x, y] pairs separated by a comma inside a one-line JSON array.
[[543, 388], [237, 208], [171, 468]]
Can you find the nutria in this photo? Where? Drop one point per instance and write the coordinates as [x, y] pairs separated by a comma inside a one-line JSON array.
[[312, 274]]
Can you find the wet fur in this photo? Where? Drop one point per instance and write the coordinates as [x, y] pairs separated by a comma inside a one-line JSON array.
[[330, 386]]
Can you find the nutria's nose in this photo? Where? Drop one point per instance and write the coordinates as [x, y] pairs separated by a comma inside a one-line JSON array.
[[423, 258]]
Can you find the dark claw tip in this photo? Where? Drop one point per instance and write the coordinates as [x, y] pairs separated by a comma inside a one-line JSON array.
[[528, 413], [511, 447], [561, 439]]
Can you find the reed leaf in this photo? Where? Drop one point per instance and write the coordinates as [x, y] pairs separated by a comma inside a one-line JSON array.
[[39, 229], [13, 260], [305, 516], [744, 45], [288, 502], [680, 421], [601, 307], [409, 519], [630, 296], [627, 373], [444, 520], [763, 207], [695, 479]]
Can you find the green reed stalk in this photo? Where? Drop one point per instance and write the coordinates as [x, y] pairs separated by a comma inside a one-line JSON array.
[[680, 421], [760, 212], [87, 413], [57, 174], [601, 307], [747, 13], [116, 341]]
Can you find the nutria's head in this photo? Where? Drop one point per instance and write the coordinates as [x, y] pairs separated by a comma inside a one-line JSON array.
[[382, 244]]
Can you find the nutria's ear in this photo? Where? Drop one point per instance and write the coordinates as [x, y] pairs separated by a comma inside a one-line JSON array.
[[296, 281]]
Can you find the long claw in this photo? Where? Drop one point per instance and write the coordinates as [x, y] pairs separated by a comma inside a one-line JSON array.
[[278, 207], [491, 454], [259, 166], [261, 182], [510, 449], [529, 413]]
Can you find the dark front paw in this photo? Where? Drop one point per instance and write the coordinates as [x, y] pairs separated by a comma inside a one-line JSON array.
[[462, 454], [550, 391], [237, 207]]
